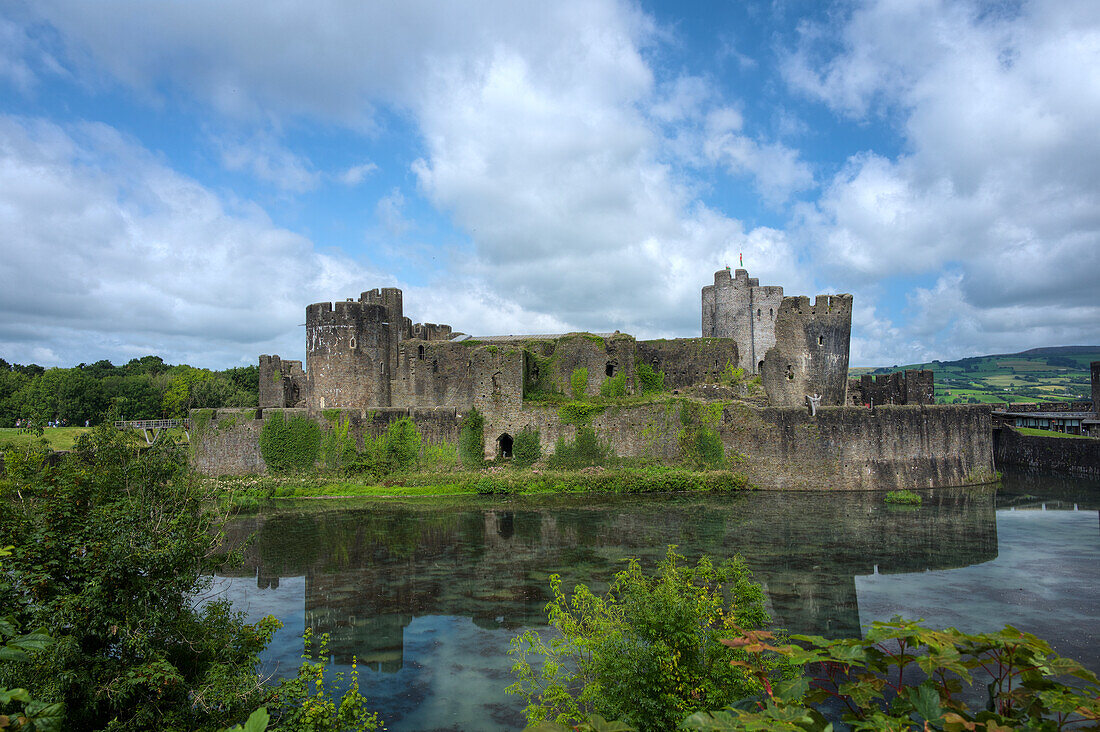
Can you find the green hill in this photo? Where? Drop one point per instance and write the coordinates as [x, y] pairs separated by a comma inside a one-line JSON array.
[[1037, 375]]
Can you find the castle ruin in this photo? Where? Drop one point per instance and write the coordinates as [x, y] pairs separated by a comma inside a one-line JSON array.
[[365, 354]]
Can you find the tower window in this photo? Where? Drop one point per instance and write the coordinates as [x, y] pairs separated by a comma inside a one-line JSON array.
[[352, 343], [821, 340], [420, 352], [609, 370], [758, 312]]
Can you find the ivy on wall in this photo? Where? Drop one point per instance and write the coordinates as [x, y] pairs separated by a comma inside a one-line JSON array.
[[289, 446]]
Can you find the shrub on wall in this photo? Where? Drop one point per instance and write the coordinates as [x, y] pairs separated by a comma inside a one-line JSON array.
[[337, 446], [289, 445], [401, 445], [578, 382], [699, 442], [613, 386], [526, 449], [471, 440], [650, 381], [585, 450]]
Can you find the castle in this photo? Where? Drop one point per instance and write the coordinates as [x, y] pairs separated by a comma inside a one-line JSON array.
[[792, 422], [365, 354]]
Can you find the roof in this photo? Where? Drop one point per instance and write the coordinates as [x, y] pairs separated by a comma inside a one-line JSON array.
[[1051, 415]]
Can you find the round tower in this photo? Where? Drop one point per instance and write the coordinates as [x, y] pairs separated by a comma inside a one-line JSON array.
[[347, 355]]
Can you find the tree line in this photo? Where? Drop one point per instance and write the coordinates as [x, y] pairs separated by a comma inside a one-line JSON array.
[[144, 388]]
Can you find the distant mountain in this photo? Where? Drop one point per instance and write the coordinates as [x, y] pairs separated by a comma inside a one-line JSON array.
[[1055, 373]]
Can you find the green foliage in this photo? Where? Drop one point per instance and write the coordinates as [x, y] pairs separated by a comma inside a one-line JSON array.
[[112, 545], [471, 440], [337, 446], [905, 497], [540, 376], [439, 457], [579, 414], [526, 448], [289, 446], [394, 451], [731, 375], [19, 710], [649, 381], [613, 387], [903, 676], [142, 389], [578, 382], [585, 450], [646, 653], [698, 440], [307, 704]]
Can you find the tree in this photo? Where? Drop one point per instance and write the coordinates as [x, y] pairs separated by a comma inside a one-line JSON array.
[[111, 549]]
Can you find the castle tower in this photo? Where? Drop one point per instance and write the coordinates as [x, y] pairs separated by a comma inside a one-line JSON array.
[[348, 352], [738, 307], [810, 355]]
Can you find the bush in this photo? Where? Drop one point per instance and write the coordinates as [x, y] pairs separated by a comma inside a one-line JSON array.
[[650, 381], [700, 445], [578, 382], [613, 386], [471, 440], [905, 497], [903, 676], [401, 445], [586, 449], [526, 448], [337, 446], [439, 457], [111, 549], [289, 446], [646, 653]]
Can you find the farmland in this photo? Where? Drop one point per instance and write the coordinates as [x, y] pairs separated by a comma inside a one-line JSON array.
[[1037, 375]]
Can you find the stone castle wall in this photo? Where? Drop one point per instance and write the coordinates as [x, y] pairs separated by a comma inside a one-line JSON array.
[[810, 355], [1094, 369], [841, 448], [282, 383], [908, 387], [689, 361], [1064, 454]]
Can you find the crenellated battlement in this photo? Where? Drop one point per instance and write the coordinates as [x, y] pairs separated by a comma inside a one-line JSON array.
[[343, 312]]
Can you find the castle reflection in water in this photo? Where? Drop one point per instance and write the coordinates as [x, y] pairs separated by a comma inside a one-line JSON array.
[[369, 571]]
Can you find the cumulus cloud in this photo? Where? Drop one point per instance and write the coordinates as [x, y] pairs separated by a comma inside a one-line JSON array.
[[356, 174], [997, 182], [108, 253], [263, 157]]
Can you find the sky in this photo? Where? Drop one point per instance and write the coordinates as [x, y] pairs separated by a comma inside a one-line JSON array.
[[183, 178]]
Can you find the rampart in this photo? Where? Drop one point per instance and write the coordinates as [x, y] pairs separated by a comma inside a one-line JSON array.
[[282, 383], [1078, 456], [901, 387], [782, 448]]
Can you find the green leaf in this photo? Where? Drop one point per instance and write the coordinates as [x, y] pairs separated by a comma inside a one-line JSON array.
[[926, 702]]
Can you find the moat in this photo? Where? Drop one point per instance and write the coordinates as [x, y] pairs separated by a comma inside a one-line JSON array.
[[427, 593]]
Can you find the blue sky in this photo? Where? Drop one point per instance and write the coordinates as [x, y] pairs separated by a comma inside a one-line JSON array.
[[182, 178]]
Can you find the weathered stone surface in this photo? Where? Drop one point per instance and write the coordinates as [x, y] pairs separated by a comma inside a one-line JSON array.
[[1065, 454], [810, 355], [900, 387], [739, 308]]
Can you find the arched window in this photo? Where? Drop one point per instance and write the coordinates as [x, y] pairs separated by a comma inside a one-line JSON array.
[[609, 370], [504, 445], [420, 352]]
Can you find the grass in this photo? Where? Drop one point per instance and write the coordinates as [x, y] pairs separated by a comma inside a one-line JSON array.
[[59, 438], [1050, 433], [251, 490], [908, 498]]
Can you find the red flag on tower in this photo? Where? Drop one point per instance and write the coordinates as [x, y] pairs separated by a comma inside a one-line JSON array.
[[741, 259]]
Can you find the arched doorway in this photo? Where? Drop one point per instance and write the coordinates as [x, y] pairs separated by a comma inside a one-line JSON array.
[[504, 446]]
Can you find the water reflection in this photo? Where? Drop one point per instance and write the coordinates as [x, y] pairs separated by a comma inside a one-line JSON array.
[[428, 593]]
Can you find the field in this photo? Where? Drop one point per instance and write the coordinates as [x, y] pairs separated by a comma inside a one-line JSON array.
[[1038, 375], [59, 438]]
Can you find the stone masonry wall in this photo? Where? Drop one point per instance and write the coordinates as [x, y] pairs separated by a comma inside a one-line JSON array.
[[908, 387], [810, 355], [1094, 369], [688, 361], [1065, 454], [842, 448], [282, 383]]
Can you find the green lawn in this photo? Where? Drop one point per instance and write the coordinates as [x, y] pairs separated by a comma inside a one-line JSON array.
[[59, 438], [1050, 433]]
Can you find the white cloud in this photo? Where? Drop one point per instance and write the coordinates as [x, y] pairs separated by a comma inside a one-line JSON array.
[[356, 174], [262, 156], [108, 253], [997, 183]]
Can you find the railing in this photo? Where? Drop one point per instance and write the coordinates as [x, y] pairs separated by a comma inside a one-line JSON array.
[[151, 429]]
